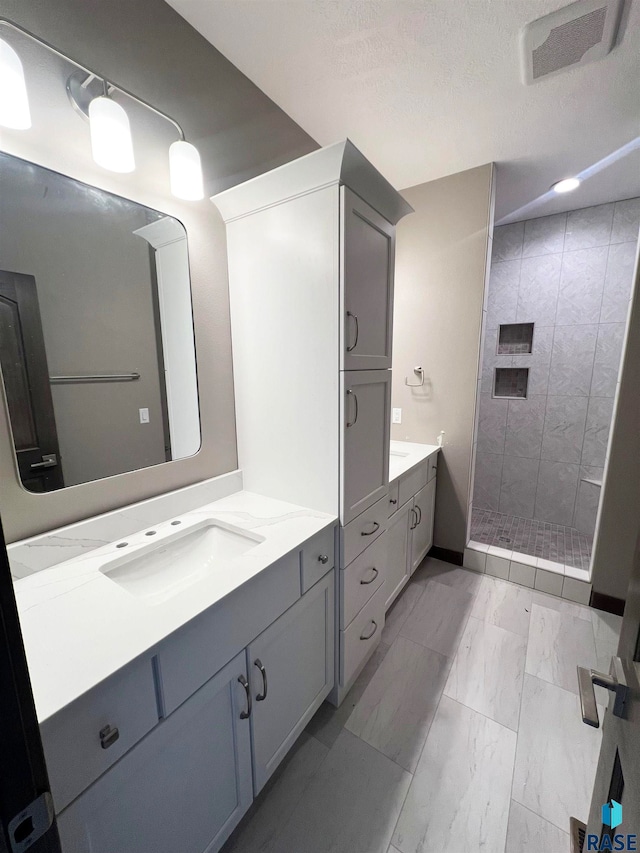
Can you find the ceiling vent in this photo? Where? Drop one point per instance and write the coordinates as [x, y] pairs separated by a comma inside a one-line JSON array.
[[573, 36]]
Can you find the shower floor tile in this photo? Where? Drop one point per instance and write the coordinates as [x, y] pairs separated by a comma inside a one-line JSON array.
[[536, 538]]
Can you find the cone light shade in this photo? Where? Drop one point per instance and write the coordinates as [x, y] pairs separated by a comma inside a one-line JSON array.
[[185, 171], [14, 101], [111, 143]]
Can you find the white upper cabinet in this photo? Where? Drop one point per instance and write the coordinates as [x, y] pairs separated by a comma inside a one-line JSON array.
[[366, 398], [366, 285]]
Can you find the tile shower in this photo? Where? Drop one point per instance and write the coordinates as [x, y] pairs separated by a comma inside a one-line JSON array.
[[542, 435]]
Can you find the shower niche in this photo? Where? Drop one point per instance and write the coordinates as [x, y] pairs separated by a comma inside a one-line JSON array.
[[515, 339], [511, 382]]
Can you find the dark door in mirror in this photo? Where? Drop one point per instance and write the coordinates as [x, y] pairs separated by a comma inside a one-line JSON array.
[[26, 381]]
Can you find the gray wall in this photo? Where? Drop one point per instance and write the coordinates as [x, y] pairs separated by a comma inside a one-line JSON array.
[[441, 262], [93, 277], [571, 275], [148, 48]]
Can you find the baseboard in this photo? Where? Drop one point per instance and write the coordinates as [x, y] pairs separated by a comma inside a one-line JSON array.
[[446, 555], [607, 602]]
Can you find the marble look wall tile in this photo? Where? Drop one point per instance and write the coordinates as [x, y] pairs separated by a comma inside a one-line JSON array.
[[503, 293], [492, 424], [539, 289], [557, 754], [503, 604], [488, 476], [556, 493], [507, 241], [564, 426], [589, 226], [490, 360], [544, 236], [581, 286], [466, 807], [596, 434], [487, 672], [539, 360], [260, 828], [328, 721], [558, 643], [525, 423], [572, 360], [518, 486], [394, 713], [618, 283], [529, 833], [587, 502], [396, 616], [626, 221], [438, 619], [606, 365], [360, 789]]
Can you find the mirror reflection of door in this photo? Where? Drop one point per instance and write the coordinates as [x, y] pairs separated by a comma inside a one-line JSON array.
[[26, 381]]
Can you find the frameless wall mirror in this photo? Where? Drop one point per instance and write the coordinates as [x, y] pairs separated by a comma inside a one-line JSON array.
[[96, 330]]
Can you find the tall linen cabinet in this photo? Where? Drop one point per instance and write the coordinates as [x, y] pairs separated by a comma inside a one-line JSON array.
[[311, 263]]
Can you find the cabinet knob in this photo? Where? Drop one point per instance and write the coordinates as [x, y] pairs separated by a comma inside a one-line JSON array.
[[108, 736], [393, 501], [324, 559]]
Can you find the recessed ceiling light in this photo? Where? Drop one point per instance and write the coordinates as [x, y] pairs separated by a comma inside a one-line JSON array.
[[566, 185]]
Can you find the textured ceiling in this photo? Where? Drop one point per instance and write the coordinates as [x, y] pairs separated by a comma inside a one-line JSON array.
[[429, 88]]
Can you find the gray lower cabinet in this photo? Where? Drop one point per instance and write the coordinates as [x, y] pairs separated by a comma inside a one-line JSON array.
[[422, 524], [291, 668], [399, 546], [182, 788]]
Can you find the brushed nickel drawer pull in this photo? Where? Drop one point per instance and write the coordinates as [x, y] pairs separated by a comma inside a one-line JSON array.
[[376, 526], [108, 736], [375, 575], [369, 636]]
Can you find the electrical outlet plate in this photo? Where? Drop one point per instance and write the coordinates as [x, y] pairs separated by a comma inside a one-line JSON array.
[[396, 416]]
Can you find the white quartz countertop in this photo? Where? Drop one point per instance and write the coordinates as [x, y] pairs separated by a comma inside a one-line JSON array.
[[405, 455], [79, 626]]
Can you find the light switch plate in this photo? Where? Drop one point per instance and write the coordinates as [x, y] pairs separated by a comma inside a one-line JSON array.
[[396, 416], [144, 416]]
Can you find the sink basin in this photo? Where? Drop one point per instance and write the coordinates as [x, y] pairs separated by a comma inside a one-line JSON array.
[[173, 562]]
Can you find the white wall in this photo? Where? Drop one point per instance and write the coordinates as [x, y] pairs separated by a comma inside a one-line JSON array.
[[441, 259]]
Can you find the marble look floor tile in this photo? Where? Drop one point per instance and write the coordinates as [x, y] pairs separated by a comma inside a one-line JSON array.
[[530, 833], [397, 614], [487, 672], [328, 722], [580, 611], [448, 574], [504, 604], [459, 797], [558, 643], [557, 754], [439, 618], [606, 629], [396, 710], [351, 804], [261, 826]]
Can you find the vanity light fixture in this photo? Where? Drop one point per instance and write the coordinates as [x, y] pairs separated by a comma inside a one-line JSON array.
[[14, 101], [566, 185], [111, 143]]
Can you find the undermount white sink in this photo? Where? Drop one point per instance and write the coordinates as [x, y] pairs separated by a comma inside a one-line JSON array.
[[398, 453], [173, 562]]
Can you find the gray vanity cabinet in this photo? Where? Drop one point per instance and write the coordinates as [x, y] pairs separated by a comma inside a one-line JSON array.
[[182, 788], [399, 543], [422, 523]]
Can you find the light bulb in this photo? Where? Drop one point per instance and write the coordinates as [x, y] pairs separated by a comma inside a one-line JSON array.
[[14, 102], [185, 171], [566, 185], [111, 143]]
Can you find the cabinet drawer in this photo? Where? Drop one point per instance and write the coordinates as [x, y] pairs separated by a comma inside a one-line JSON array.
[[362, 636], [318, 558], [432, 466], [192, 655], [361, 532], [74, 750], [394, 501], [412, 482], [362, 578]]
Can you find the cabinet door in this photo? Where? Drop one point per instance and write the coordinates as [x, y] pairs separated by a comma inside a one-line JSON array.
[[364, 475], [398, 556], [183, 788], [422, 533], [291, 667], [366, 285]]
